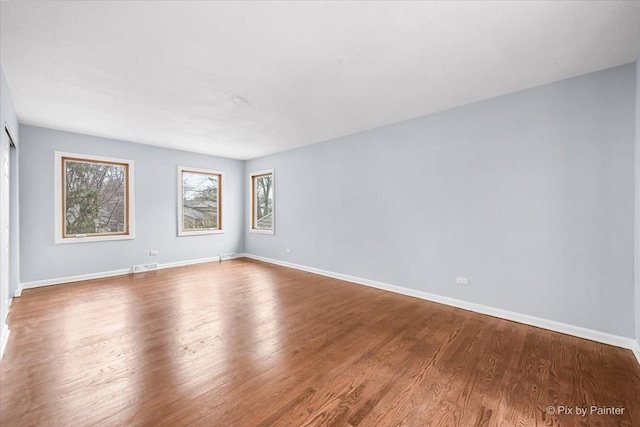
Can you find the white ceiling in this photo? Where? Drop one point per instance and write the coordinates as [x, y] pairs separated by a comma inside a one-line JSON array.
[[165, 72]]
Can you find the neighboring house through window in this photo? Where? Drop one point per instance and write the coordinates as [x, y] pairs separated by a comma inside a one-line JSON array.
[[199, 201]]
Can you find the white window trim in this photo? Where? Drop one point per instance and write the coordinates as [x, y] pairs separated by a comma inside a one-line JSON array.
[[222, 209], [251, 204], [57, 182]]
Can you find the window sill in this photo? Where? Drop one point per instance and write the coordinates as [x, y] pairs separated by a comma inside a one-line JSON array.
[[253, 230], [199, 232], [67, 240]]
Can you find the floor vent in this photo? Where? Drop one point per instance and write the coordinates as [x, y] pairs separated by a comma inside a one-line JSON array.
[[145, 267], [224, 257]]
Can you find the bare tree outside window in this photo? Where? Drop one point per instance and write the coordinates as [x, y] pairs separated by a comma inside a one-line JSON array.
[[95, 197], [200, 201], [262, 216]]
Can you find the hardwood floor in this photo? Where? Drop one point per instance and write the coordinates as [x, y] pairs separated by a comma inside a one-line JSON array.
[[245, 343]]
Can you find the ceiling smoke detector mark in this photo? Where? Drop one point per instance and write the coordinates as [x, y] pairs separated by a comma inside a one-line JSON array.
[[240, 100]]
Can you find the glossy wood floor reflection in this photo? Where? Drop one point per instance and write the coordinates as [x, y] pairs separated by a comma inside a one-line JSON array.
[[244, 343]]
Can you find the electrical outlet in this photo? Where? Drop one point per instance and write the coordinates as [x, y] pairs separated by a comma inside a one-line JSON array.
[[288, 250], [462, 281], [153, 253]]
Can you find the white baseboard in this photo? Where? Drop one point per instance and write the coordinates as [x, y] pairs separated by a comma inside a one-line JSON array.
[[4, 339], [69, 279], [551, 325], [18, 291], [103, 274]]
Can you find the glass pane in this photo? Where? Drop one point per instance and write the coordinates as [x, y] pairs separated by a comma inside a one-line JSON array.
[[95, 198], [199, 201], [264, 202]]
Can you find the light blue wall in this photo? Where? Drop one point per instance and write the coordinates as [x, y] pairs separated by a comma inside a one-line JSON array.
[[155, 207], [529, 195]]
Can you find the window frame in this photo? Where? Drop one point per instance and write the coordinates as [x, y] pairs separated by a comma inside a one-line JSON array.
[[221, 204], [253, 205], [59, 199]]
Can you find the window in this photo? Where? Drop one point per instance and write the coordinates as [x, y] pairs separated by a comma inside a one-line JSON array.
[[94, 198], [199, 201], [262, 206]]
